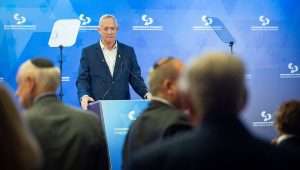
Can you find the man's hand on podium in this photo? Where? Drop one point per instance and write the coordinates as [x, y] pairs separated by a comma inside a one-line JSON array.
[[85, 100]]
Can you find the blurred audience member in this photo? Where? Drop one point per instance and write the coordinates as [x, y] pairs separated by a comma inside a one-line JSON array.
[[288, 125], [70, 139], [217, 86], [19, 151], [162, 118]]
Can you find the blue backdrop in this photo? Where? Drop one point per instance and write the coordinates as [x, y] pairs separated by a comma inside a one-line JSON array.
[[265, 32]]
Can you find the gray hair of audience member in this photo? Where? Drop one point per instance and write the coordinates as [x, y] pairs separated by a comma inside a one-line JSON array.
[[163, 69], [105, 16], [216, 84], [19, 150], [42, 70]]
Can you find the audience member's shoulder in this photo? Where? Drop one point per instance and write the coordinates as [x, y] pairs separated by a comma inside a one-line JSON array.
[[83, 114], [150, 156]]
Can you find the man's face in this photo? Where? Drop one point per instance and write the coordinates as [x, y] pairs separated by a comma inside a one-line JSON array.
[[108, 30], [25, 90]]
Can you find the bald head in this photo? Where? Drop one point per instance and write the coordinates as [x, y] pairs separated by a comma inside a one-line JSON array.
[[163, 79], [216, 84], [36, 76], [164, 69]]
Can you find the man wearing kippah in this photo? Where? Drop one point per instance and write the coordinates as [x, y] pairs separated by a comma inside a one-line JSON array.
[[70, 139]]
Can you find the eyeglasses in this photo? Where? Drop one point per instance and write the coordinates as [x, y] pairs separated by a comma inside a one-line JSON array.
[[161, 62]]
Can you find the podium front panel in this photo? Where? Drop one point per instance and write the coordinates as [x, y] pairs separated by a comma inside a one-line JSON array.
[[116, 117]]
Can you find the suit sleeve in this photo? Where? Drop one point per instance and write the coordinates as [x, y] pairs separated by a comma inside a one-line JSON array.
[[83, 79], [136, 80]]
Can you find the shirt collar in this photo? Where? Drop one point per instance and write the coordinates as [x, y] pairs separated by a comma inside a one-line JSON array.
[[159, 99], [43, 95], [103, 47], [283, 137]]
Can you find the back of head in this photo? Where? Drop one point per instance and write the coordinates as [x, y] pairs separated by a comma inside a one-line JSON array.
[[18, 149], [216, 84], [36, 76], [288, 118], [163, 78]]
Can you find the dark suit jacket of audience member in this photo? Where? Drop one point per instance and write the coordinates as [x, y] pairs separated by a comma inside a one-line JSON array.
[[292, 144], [70, 139], [218, 144], [94, 78], [157, 122]]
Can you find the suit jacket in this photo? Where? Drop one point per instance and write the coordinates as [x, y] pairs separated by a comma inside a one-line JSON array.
[[156, 123], [291, 143], [94, 78], [70, 139], [221, 144]]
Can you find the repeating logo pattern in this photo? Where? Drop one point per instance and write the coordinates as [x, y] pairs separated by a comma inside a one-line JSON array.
[[147, 20], [148, 24], [20, 23], [207, 24], [264, 20], [266, 119], [293, 70], [19, 19], [85, 20], [264, 25], [207, 20]]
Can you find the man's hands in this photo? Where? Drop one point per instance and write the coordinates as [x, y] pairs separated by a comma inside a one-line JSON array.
[[85, 99]]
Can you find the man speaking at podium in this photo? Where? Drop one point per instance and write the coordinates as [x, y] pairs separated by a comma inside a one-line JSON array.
[[107, 67]]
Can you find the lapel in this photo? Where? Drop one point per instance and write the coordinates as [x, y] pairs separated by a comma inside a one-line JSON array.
[[102, 59], [118, 61]]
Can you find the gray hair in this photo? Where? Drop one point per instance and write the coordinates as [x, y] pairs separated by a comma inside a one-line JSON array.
[[46, 77], [105, 16], [216, 84]]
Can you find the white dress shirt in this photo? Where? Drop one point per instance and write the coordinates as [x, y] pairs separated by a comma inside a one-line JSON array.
[[110, 56]]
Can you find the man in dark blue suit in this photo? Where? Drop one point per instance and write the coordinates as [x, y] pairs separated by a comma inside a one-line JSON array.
[[107, 67]]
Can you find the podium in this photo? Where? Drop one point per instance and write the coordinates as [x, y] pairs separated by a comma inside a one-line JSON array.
[[116, 117]]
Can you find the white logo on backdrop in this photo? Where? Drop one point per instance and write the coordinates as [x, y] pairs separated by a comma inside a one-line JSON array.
[[147, 24], [264, 25], [266, 119], [266, 116], [293, 68], [264, 20], [19, 18], [147, 20], [85, 20], [207, 24], [293, 71], [20, 21], [207, 20]]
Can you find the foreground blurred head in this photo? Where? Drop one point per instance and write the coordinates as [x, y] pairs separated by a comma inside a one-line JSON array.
[[36, 76], [18, 149], [216, 84], [163, 79]]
